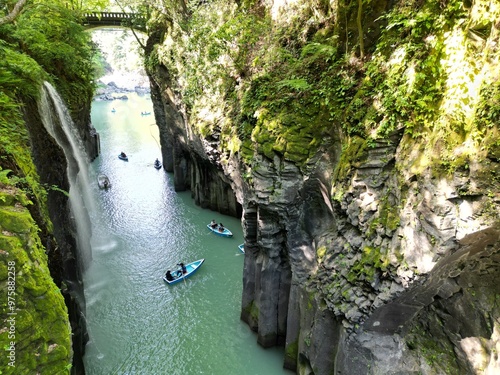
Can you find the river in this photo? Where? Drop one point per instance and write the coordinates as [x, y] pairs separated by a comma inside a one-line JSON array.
[[141, 227]]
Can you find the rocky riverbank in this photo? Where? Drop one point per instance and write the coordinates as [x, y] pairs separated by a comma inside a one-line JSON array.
[[116, 86]]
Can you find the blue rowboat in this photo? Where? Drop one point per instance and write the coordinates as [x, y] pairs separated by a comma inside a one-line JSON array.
[[157, 164], [241, 247], [123, 157], [221, 232], [190, 268]]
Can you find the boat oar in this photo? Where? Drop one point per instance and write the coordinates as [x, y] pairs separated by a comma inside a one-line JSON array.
[[182, 274]]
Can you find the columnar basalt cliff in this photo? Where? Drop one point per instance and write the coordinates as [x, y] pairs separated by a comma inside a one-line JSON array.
[[50, 333], [191, 159], [65, 262], [366, 164]]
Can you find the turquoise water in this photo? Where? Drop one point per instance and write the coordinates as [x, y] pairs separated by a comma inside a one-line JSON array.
[[137, 323]]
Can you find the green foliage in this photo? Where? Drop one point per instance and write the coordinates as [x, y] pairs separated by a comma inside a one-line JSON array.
[[4, 176], [58, 44], [295, 101], [218, 42], [296, 85], [88, 5], [19, 73], [33, 49], [488, 111], [404, 79], [283, 86]]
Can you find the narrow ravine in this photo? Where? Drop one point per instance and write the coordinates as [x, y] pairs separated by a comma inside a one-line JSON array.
[[137, 324]]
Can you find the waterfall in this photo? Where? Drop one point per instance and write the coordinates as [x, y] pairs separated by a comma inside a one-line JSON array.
[[58, 123]]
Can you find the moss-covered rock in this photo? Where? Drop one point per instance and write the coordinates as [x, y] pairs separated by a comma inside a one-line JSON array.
[[392, 107], [34, 326]]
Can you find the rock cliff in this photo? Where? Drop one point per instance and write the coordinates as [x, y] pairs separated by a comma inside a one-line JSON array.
[[361, 143], [30, 295], [37, 230]]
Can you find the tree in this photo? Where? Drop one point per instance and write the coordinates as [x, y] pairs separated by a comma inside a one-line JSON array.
[[360, 29], [14, 13]]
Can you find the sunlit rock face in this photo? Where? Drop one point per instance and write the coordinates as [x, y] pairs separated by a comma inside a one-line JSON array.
[[194, 161], [366, 258], [351, 284]]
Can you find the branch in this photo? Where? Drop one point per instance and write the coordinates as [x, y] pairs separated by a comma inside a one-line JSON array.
[[15, 12], [137, 38], [360, 29], [131, 27]]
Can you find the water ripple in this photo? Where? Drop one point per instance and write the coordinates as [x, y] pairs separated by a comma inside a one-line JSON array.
[[137, 323]]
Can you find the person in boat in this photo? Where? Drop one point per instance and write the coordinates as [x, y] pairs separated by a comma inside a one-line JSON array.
[[122, 154], [157, 162], [169, 276], [213, 224], [183, 268], [106, 184], [221, 227]]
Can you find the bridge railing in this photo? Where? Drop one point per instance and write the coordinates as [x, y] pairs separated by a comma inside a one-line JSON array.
[[112, 18]]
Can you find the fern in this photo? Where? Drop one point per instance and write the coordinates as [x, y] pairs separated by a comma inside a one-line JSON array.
[[299, 84]]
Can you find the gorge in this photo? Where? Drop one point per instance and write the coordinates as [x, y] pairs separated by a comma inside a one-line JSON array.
[[357, 141]]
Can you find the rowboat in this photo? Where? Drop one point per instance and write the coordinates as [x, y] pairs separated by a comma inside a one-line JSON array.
[[157, 164], [241, 247], [190, 268], [224, 232], [103, 181], [123, 157]]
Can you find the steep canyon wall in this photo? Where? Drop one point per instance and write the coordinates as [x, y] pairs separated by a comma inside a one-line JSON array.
[[65, 260], [371, 248], [38, 230]]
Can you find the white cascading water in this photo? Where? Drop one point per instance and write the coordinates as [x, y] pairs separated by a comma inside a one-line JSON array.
[[54, 114]]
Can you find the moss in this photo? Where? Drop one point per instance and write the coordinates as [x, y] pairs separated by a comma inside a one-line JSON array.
[[353, 152], [246, 150], [320, 253], [292, 351], [42, 333], [233, 144], [14, 220], [266, 148], [7, 199], [311, 300], [252, 310], [387, 217], [280, 145], [372, 260], [437, 353]]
